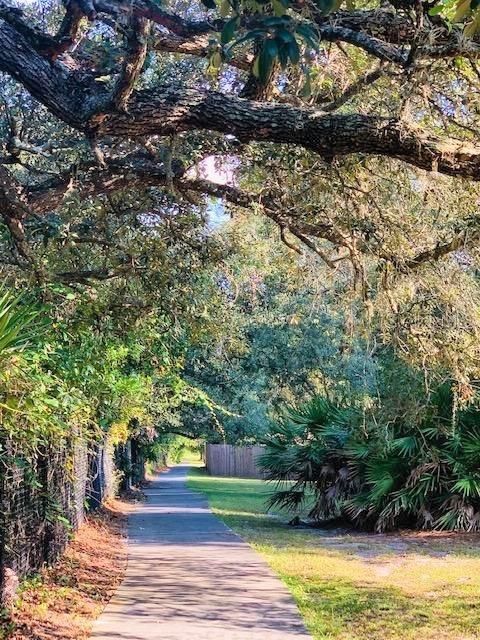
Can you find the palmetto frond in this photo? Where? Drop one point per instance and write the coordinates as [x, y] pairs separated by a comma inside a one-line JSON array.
[[406, 446], [468, 486], [425, 475], [307, 448]]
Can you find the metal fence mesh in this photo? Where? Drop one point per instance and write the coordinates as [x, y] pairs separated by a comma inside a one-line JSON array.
[[44, 498]]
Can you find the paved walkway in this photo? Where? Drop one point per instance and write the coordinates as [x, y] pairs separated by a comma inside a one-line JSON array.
[[190, 578]]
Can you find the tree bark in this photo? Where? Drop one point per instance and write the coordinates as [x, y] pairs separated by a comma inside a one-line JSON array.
[[77, 99], [169, 109]]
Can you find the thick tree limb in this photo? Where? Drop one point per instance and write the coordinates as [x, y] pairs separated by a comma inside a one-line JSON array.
[[385, 24], [339, 28], [168, 110], [46, 45], [70, 25], [131, 172], [374, 46], [380, 32], [152, 11], [50, 83], [383, 32]]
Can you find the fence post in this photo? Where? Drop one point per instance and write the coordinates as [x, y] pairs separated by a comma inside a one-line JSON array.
[[95, 470], [138, 463]]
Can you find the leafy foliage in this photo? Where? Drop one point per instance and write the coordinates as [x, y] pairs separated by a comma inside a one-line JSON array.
[[381, 477], [281, 37], [17, 318], [164, 321]]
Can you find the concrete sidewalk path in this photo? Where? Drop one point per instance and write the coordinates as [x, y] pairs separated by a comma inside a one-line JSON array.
[[189, 577]]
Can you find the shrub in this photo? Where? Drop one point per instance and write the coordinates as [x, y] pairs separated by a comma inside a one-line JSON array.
[[379, 476]]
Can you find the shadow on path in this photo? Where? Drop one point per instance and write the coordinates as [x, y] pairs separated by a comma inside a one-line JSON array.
[[189, 577]]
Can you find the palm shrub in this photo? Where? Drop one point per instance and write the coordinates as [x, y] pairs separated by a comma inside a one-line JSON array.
[[380, 477], [306, 458]]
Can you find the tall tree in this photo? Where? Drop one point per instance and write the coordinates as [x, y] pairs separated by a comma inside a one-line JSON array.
[[98, 66], [353, 130]]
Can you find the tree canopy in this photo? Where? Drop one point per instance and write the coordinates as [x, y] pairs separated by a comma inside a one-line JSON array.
[[370, 90], [340, 139]]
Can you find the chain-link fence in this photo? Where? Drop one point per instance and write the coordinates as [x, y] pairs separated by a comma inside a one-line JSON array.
[[44, 498]]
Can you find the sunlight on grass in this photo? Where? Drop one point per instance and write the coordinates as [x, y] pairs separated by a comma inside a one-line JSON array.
[[192, 457], [352, 586]]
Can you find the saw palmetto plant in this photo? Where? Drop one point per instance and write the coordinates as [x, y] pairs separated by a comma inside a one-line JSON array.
[[306, 457], [424, 475]]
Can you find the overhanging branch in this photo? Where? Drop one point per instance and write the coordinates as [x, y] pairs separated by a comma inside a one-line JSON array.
[[137, 171], [136, 51], [131, 172], [171, 109]]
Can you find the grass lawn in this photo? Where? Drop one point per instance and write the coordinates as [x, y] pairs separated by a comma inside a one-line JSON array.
[[352, 586]]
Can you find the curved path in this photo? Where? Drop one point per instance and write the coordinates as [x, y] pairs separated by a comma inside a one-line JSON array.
[[190, 577]]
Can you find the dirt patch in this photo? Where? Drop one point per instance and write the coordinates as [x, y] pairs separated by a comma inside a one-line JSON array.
[[63, 601], [434, 543]]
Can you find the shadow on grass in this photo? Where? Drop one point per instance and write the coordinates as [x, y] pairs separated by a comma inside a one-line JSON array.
[[243, 504], [358, 603]]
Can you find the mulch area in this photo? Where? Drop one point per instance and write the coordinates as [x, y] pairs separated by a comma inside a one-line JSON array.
[[63, 601]]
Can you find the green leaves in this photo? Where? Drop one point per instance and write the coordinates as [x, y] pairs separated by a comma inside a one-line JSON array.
[[16, 322], [266, 58], [280, 7], [405, 446], [277, 40], [229, 29], [325, 6], [380, 476], [468, 487], [309, 35], [307, 448], [459, 11]]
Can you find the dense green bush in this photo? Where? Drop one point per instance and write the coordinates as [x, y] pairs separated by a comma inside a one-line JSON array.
[[380, 476]]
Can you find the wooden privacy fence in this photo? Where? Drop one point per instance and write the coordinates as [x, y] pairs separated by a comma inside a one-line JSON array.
[[233, 461]]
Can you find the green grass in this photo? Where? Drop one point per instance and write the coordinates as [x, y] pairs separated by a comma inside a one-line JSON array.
[[192, 457], [357, 586]]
